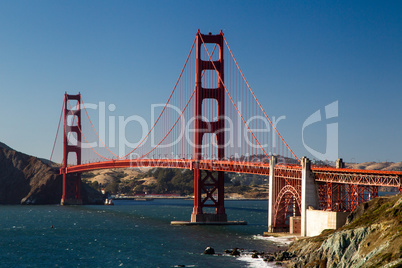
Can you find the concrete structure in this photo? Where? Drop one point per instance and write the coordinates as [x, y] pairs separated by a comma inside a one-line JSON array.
[[295, 225], [309, 193], [310, 222], [319, 220], [340, 163], [271, 198]]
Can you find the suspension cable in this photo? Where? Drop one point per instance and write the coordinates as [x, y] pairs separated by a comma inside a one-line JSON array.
[[160, 115], [259, 104], [177, 120], [57, 133], [185, 107], [227, 92], [82, 134]]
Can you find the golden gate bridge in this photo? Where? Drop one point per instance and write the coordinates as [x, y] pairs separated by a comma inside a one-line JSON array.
[[211, 123]]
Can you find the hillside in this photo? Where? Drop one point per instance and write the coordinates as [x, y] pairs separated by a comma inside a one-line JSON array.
[[171, 181], [26, 179], [376, 166], [372, 237]]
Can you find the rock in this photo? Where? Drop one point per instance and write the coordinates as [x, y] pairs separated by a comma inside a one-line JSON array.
[[269, 259], [235, 252], [372, 238], [282, 255], [255, 255], [209, 251], [358, 212]]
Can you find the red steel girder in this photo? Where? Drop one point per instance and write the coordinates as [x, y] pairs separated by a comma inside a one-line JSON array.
[[360, 177], [287, 203], [211, 165], [344, 197]]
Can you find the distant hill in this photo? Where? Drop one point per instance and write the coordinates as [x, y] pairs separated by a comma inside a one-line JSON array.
[[377, 166], [45, 161], [2, 145], [25, 179], [131, 181]]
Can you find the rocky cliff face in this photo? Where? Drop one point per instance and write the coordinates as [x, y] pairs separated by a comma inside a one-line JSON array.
[[372, 237], [26, 179]]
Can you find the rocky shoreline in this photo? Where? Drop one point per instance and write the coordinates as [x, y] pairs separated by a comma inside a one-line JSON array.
[[278, 258], [372, 237]]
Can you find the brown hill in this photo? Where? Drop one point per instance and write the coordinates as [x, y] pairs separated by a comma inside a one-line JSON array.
[[106, 176], [376, 166], [26, 179]]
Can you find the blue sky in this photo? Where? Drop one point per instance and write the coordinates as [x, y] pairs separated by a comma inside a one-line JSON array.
[[298, 57]]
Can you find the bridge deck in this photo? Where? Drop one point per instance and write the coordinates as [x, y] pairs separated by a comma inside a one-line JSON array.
[[322, 174]]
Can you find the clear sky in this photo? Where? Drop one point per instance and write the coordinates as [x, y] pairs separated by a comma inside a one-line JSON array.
[[298, 58]]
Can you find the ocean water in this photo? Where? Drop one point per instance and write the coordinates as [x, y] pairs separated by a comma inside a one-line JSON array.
[[128, 234]]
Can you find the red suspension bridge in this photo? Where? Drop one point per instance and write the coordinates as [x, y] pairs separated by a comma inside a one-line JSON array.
[[213, 123]]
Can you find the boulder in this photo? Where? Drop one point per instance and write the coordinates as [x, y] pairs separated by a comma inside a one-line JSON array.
[[235, 252], [209, 251]]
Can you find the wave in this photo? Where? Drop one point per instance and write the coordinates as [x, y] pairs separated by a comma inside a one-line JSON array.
[[284, 240], [255, 262]]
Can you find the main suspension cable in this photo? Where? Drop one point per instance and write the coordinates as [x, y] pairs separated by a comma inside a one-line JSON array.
[[57, 133], [227, 92], [160, 115], [259, 104]]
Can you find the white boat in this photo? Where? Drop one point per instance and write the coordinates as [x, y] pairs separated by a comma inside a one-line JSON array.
[[109, 202]]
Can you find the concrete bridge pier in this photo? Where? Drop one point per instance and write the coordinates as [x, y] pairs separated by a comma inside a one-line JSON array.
[[340, 163], [309, 193], [271, 199]]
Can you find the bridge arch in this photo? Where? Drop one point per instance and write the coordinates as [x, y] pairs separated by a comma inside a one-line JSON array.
[[287, 203]]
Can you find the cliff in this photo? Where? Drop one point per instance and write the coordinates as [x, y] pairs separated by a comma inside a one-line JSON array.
[[372, 237], [26, 179]]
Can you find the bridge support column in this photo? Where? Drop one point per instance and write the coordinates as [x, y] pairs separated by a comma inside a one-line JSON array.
[[400, 183], [71, 144], [340, 163], [309, 193], [209, 189], [271, 196]]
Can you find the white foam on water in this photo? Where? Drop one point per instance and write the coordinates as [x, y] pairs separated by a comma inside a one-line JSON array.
[[256, 262], [284, 240]]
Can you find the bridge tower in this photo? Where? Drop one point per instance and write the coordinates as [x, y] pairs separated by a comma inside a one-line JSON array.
[[209, 183], [71, 144]]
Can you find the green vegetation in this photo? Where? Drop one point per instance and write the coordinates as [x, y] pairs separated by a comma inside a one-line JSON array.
[[93, 184], [380, 210], [170, 181], [177, 181], [87, 175]]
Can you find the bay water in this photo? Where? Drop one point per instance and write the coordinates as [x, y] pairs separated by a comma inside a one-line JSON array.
[[129, 234]]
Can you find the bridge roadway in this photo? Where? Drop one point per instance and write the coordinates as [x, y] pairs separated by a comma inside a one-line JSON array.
[[321, 174]]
